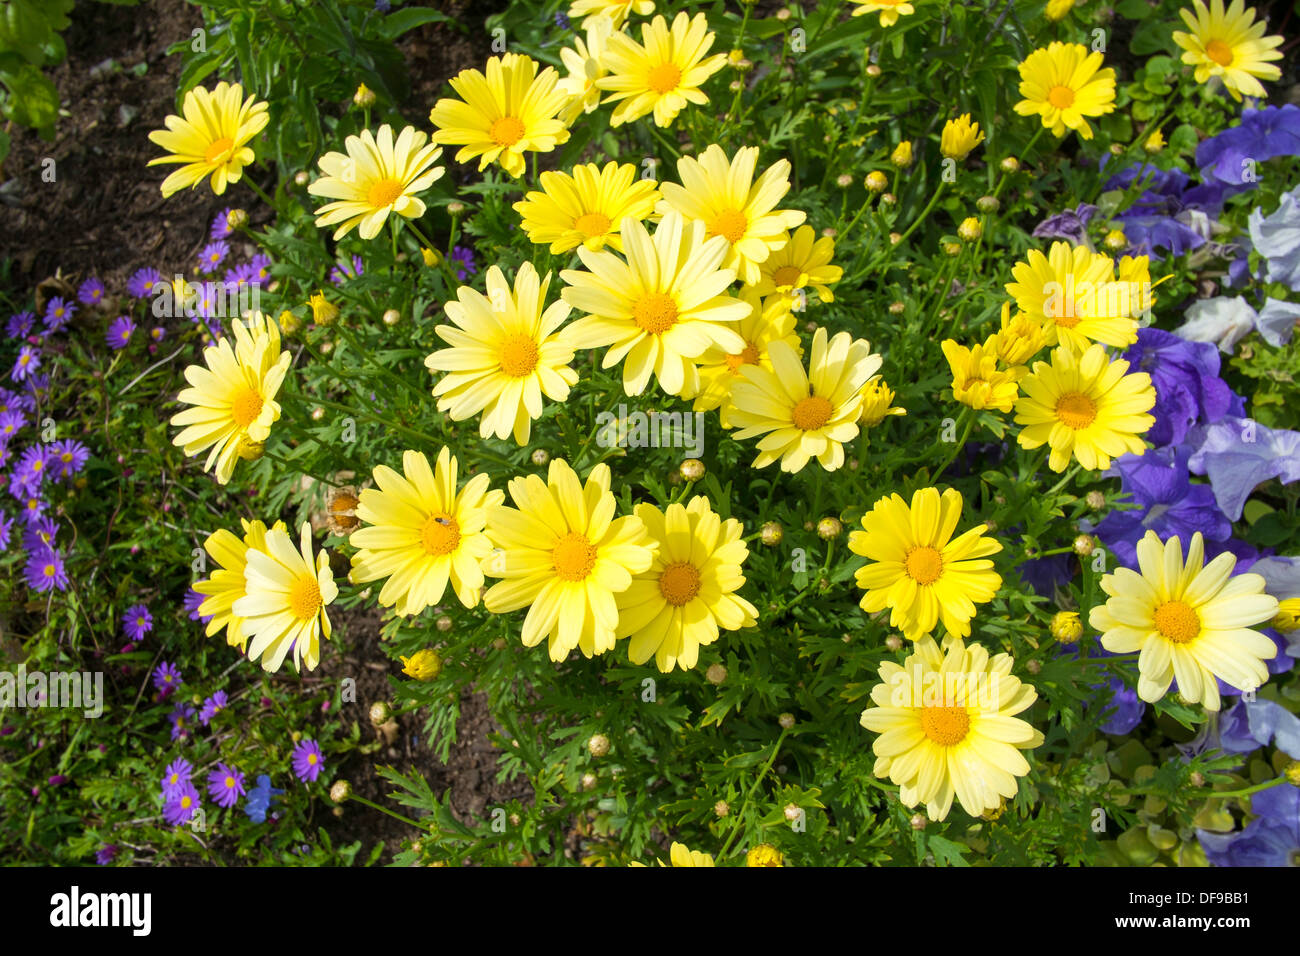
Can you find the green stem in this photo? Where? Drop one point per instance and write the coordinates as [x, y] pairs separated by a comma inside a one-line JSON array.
[[924, 212], [969, 415], [396, 816], [776, 748], [1246, 791]]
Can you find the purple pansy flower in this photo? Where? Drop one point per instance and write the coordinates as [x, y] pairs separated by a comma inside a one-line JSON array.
[[1070, 225], [1238, 454], [1186, 378], [1271, 839], [1231, 156]]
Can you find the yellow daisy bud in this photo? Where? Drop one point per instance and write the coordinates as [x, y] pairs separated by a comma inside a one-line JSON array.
[[970, 229], [877, 397], [1155, 142], [960, 137], [902, 154], [424, 665], [829, 528], [432, 258], [1020, 338], [364, 96], [1115, 240], [1066, 627], [1057, 9], [876, 181], [770, 534], [288, 322], [764, 855], [323, 311]]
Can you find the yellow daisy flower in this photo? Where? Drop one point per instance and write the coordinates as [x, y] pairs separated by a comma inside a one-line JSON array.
[[1229, 44], [584, 64], [1063, 83], [374, 177], [1189, 620], [890, 10], [510, 111], [724, 196], [588, 207], [227, 585], [1085, 406], [948, 728], [565, 557], [211, 138], [802, 262], [661, 309], [233, 396], [681, 855], [768, 320], [877, 403], [976, 379], [679, 603], [664, 74], [918, 570], [1073, 292], [1019, 339], [960, 137], [284, 605], [505, 354], [804, 415], [423, 533], [615, 12]]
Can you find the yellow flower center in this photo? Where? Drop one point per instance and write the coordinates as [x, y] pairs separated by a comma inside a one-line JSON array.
[[304, 598], [786, 275], [730, 224], [440, 534], [506, 131], [679, 583], [518, 355], [748, 357], [311, 759], [230, 782], [811, 413], [1076, 410], [1219, 52], [219, 150], [655, 312], [664, 78], [1062, 97], [924, 564], [185, 802], [946, 726], [592, 224], [245, 408], [1177, 622], [385, 192], [573, 556]]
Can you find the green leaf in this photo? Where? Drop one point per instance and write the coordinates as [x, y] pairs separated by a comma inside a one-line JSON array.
[[400, 21], [35, 101], [948, 853], [1133, 9]]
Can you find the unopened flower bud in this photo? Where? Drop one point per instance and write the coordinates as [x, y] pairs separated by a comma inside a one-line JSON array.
[[424, 665], [902, 154], [692, 469], [792, 812], [455, 208], [844, 180], [987, 204], [588, 781], [873, 71], [894, 642], [970, 229], [786, 721], [952, 248], [1115, 240], [1084, 545], [876, 181], [1096, 500], [1196, 779], [888, 199], [721, 808], [897, 308], [301, 178], [340, 790], [716, 674], [829, 528], [598, 745], [392, 317], [895, 238], [380, 713], [770, 534], [918, 821], [364, 96], [764, 855], [1010, 164], [1066, 627], [1033, 667]]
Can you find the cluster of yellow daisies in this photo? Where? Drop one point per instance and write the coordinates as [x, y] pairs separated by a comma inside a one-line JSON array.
[[665, 304]]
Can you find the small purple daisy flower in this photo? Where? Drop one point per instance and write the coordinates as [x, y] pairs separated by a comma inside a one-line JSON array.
[[213, 254], [181, 719], [143, 282], [211, 706], [58, 313], [225, 785], [119, 332], [45, 571], [32, 468], [36, 383], [106, 854], [15, 402], [193, 601], [40, 535], [181, 804], [342, 272], [33, 511], [166, 677], [137, 622], [91, 292], [307, 760], [6, 529], [157, 333], [220, 225], [20, 325], [464, 256], [259, 269], [69, 456], [176, 775], [11, 423], [239, 275], [28, 361]]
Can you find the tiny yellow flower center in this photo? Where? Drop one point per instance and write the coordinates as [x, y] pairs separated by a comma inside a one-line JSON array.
[[592, 224], [655, 312], [311, 759], [748, 357], [574, 557], [1177, 622], [175, 777], [787, 275], [679, 583], [1062, 97], [664, 78], [1219, 52], [946, 726], [811, 413], [185, 802], [219, 150], [924, 564], [518, 355], [440, 534], [506, 131], [1076, 410], [304, 598], [246, 406], [230, 782], [730, 224], [385, 192]]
